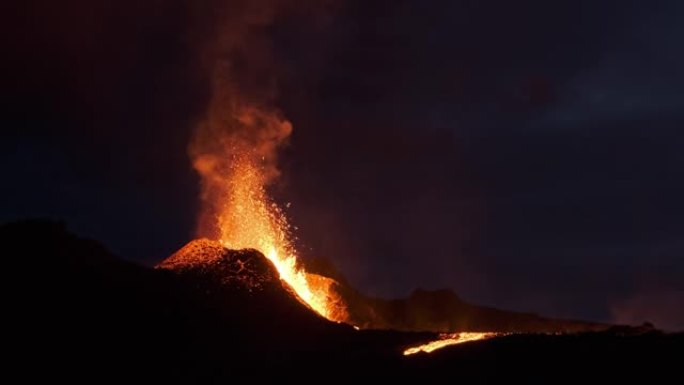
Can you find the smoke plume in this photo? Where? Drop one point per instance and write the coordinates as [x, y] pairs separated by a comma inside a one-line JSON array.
[[241, 130]]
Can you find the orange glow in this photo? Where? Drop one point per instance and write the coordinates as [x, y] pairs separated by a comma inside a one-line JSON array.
[[235, 151], [446, 340], [248, 219]]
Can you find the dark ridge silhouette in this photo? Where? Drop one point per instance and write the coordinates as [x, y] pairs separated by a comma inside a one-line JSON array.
[[76, 313], [444, 311], [440, 311]]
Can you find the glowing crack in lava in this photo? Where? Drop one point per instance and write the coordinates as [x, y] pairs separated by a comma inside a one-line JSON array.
[[447, 340]]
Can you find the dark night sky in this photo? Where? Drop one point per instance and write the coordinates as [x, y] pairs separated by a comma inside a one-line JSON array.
[[527, 154]]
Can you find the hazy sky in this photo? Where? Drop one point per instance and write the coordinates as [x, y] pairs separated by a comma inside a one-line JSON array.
[[527, 154]]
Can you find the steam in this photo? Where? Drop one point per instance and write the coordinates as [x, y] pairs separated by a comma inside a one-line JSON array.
[[241, 129]]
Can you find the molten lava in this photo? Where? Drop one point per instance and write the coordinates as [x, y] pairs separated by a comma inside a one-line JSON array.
[[248, 219], [446, 340], [235, 151]]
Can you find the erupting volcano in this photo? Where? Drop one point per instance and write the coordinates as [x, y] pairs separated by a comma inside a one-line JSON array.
[[235, 151], [236, 162], [248, 219], [455, 159]]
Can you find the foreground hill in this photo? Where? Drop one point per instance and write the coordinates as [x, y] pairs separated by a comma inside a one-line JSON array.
[[77, 313], [433, 311]]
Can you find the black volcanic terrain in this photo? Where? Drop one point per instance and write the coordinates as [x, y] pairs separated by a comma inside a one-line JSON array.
[[444, 311], [211, 315]]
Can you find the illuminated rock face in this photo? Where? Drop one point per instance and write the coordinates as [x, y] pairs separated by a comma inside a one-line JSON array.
[[251, 301], [240, 269], [441, 311], [249, 270]]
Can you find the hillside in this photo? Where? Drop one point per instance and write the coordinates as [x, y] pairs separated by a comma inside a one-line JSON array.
[[77, 313]]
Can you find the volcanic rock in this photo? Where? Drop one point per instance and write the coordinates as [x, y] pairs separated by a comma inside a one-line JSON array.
[[76, 313], [243, 269], [438, 311], [225, 280]]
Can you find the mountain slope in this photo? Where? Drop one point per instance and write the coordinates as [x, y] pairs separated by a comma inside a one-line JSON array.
[[75, 312], [439, 311]]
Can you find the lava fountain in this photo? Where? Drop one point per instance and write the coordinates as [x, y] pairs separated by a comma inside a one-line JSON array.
[[236, 142], [235, 146], [244, 216]]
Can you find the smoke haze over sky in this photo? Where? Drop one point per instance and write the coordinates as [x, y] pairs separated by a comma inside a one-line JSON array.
[[526, 154]]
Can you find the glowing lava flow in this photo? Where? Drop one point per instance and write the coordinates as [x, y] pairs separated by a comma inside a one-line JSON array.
[[446, 340], [249, 219]]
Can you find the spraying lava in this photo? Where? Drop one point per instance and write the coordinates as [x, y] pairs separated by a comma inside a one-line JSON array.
[[235, 147], [249, 219], [246, 218]]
